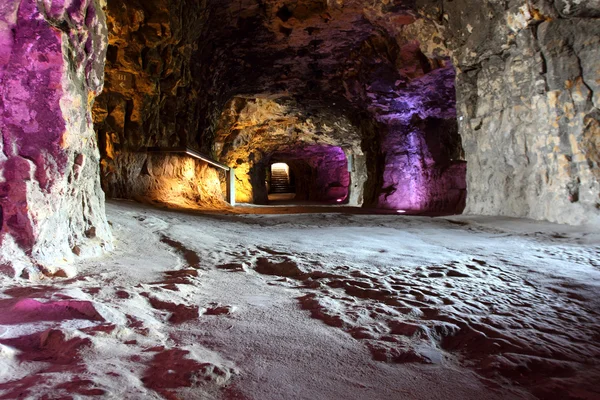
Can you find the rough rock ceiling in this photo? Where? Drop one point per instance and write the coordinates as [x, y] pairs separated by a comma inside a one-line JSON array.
[[372, 65], [318, 49], [304, 46]]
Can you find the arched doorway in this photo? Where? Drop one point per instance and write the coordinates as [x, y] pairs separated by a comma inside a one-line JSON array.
[[281, 182], [315, 174]]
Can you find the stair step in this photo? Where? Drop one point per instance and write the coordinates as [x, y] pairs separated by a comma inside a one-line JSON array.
[[280, 182]]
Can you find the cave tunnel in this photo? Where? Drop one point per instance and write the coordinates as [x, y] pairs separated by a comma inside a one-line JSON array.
[[313, 174], [280, 180], [271, 79], [435, 231]]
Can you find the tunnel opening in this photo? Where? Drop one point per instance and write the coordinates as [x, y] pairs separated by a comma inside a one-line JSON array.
[[316, 175], [313, 140], [281, 182]]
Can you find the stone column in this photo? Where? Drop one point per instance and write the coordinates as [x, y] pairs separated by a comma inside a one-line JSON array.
[[52, 56]]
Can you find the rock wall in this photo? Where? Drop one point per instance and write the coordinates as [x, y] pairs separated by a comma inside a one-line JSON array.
[[152, 100], [424, 170], [373, 79], [528, 98], [168, 179], [149, 98], [421, 160], [51, 69]]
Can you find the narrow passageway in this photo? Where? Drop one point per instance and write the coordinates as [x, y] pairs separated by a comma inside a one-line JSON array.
[[281, 179]]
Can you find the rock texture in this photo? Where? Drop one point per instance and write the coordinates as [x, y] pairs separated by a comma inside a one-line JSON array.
[[152, 100], [321, 174], [179, 74], [501, 100], [255, 132], [528, 102], [170, 179], [51, 68], [362, 61]]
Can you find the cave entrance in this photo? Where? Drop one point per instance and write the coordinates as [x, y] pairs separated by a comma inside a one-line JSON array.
[[310, 174], [281, 182]]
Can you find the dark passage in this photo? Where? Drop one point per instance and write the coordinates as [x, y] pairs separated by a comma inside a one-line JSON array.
[[280, 179]]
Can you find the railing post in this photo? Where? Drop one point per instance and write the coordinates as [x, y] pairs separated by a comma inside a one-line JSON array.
[[231, 186]]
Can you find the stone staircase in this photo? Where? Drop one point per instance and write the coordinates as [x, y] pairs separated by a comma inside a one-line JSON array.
[[280, 181]]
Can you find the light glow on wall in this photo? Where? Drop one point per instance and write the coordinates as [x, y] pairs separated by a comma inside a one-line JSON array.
[[281, 167], [189, 169]]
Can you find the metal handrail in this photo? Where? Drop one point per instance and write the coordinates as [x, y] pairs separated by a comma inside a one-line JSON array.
[[189, 152], [196, 154]]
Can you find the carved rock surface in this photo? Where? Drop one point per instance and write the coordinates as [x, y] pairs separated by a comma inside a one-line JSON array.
[[150, 100], [528, 99], [51, 68], [496, 107], [179, 76]]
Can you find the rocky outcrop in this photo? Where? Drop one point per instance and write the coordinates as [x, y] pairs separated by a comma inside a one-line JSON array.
[[528, 102], [51, 69]]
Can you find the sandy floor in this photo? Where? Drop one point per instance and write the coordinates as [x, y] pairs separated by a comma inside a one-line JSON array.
[[312, 306]]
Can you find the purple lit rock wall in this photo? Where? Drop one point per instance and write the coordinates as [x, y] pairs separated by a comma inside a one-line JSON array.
[[51, 69], [332, 178], [422, 171], [321, 172], [423, 166]]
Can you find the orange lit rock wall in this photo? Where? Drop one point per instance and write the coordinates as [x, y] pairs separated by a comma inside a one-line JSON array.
[[169, 179], [150, 101]]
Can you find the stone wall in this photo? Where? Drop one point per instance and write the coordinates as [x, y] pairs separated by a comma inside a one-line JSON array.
[[421, 160], [152, 99], [175, 180], [528, 98], [51, 69]]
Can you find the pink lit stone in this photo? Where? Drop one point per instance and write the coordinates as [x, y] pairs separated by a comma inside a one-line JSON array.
[[48, 77]]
